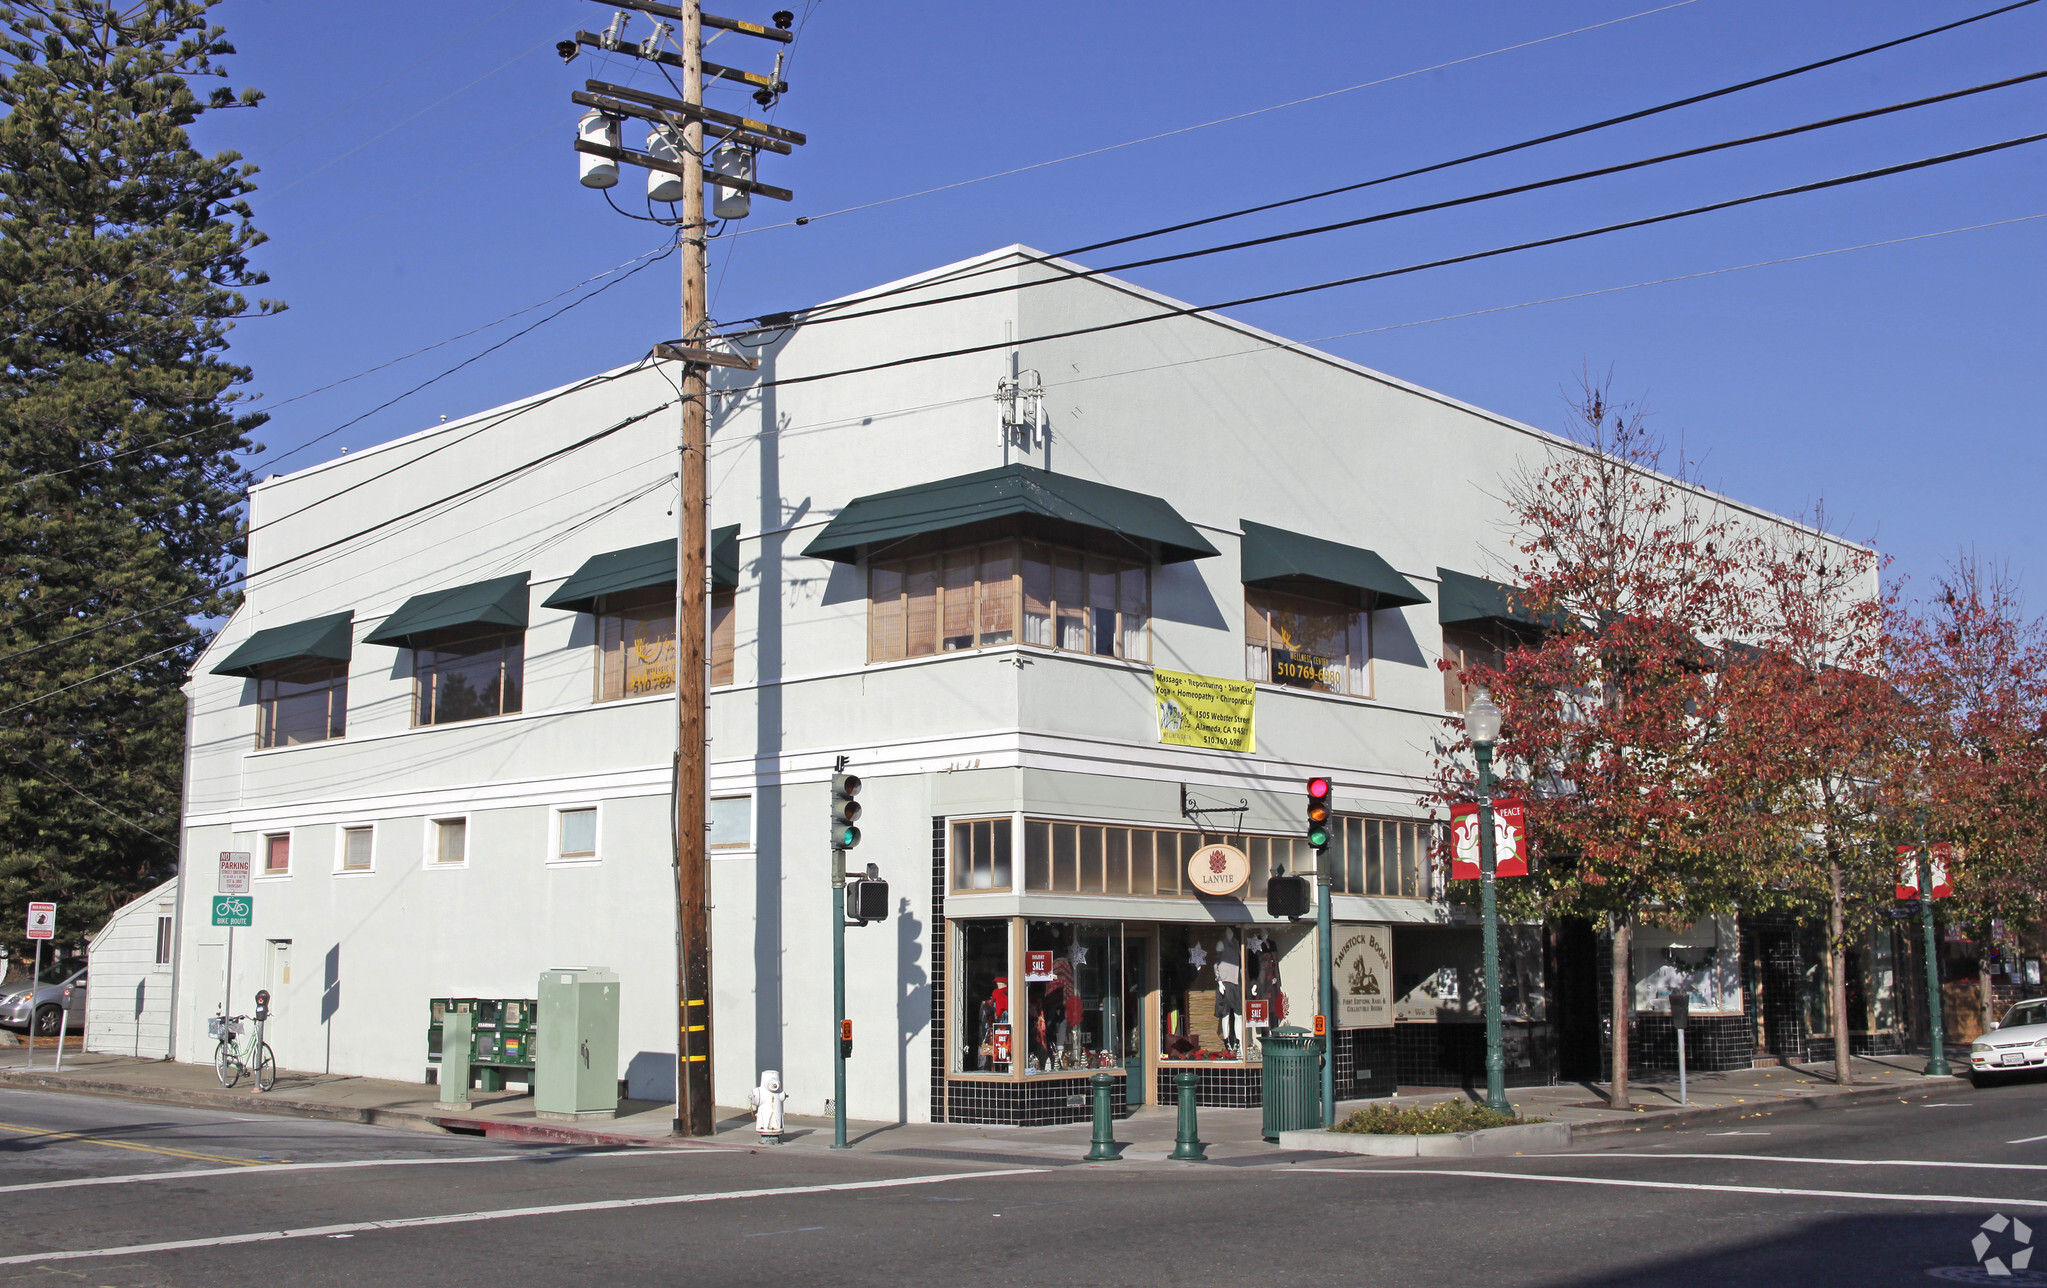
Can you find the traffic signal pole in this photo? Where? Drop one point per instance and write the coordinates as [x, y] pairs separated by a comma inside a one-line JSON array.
[[1320, 794], [839, 999]]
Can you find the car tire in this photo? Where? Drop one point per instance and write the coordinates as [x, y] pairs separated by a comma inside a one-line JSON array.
[[49, 1021]]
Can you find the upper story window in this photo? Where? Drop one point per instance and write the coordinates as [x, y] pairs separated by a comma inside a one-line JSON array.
[[1305, 642], [301, 702], [1008, 592], [1468, 646], [636, 642], [466, 675]]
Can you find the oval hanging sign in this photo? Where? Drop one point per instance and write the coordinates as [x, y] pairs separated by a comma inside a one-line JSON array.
[[1218, 870]]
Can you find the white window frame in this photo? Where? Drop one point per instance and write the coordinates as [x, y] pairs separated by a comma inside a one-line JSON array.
[[341, 831], [260, 868], [554, 836], [752, 826], [430, 842]]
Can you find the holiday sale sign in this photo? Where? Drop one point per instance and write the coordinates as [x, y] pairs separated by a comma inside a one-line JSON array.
[[1510, 840]]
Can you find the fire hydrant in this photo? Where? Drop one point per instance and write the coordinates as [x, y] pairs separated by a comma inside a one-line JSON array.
[[767, 1100]]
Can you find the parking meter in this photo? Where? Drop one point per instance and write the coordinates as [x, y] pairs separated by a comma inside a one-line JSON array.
[[1680, 1011], [262, 1003]]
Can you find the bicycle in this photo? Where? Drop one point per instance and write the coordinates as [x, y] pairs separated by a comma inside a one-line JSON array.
[[230, 1061]]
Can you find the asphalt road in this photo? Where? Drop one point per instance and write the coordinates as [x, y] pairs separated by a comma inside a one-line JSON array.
[[106, 1192]]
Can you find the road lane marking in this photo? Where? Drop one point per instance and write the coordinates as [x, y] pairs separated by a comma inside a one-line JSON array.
[[2025, 1140], [90, 1139], [1974, 1200], [1831, 1162], [132, 1178], [500, 1214]]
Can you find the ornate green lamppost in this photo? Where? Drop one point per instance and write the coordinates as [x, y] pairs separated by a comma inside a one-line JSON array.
[[1482, 723]]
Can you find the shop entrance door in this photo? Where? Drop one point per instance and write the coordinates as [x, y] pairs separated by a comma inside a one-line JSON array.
[[1140, 999]]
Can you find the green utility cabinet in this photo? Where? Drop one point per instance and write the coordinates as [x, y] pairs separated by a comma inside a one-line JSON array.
[[575, 1049]]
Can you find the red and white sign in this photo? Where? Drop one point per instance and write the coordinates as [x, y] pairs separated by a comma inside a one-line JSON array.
[[998, 1042], [1258, 1013], [1510, 840], [234, 872], [1218, 870], [1939, 856], [1038, 968], [42, 921]]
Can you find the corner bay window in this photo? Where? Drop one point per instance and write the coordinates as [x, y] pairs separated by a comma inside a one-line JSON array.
[[302, 702], [1008, 592], [465, 676], [636, 642], [1307, 643]]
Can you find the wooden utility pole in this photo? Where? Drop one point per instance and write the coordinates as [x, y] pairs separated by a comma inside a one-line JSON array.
[[693, 1116]]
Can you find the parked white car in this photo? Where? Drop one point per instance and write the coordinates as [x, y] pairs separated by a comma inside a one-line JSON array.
[[2016, 1045]]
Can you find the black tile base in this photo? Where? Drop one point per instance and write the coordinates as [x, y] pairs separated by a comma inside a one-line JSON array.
[[1221, 1086], [1713, 1043], [1040, 1102], [1453, 1055]]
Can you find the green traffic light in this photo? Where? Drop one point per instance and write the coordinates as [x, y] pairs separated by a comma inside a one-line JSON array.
[[1318, 837], [849, 836]]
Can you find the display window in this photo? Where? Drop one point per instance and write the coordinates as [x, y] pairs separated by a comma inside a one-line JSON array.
[[1074, 996], [983, 1042]]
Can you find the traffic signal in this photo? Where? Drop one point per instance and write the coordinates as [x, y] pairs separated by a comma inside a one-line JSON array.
[[846, 1039], [1318, 814], [845, 811], [866, 897], [1286, 896]]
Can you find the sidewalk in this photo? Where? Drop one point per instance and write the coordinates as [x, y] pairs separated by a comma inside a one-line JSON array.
[[1232, 1135]]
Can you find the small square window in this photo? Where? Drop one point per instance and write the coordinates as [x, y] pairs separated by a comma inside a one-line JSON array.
[[357, 844], [450, 840], [578, 834], [732, 823], [277, 854]]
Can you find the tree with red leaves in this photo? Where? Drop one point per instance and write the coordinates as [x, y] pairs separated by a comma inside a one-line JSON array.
[[1612, 720]]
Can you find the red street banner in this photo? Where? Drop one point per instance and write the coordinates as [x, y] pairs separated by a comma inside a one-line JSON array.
[[1940, 855], [1510, 840]]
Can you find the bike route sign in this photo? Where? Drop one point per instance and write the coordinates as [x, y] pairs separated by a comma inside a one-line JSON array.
[[232, 909]]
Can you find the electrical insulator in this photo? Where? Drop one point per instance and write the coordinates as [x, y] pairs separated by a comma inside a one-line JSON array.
[[661, 145], [597, 128], [734, 163]]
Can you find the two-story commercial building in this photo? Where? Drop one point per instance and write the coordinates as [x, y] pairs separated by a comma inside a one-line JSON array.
[[1072, 640]]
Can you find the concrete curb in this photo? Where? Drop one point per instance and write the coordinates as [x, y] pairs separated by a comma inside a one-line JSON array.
[[1683, 1117], [1524, 1138], [404, 1119]]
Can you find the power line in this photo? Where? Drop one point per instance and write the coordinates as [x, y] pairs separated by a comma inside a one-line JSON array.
[[61, 781], [1467, 159], [1221, 120], [1430, 207], [1815, 186]]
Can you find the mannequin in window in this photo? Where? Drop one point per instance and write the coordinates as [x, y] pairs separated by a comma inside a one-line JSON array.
[[994, 1011], [1229, 990]]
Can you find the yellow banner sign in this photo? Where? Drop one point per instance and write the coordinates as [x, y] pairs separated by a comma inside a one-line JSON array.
[[1203, 711]]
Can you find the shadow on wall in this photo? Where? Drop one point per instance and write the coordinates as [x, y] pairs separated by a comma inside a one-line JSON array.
[[330, 999], [913, 999], [650, 1075], [141, 1003]]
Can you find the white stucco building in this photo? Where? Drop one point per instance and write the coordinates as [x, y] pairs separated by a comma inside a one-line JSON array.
[[440, 720]]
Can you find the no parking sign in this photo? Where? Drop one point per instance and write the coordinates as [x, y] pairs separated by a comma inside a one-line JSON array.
[[42, 921]]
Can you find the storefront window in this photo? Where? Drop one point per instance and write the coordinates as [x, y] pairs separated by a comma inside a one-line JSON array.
[[980, 854], [1073, 983], [1306, 643], [1201, 993], [982, 1040]]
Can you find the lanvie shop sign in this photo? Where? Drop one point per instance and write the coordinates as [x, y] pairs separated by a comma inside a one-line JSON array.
[[1218, 870]]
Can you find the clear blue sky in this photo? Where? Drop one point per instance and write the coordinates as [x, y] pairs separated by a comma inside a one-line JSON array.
[[418, 181]]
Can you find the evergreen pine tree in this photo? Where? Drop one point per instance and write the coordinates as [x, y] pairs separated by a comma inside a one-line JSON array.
[[123, 254]]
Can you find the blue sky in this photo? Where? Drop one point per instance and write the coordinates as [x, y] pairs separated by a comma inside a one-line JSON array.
[[418, 181]]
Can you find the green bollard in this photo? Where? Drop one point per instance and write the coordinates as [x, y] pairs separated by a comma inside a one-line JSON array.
[[1103, 1148], [1187, 1141]]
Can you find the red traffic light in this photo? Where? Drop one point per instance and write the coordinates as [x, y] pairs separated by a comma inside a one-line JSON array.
[[1318, 789]]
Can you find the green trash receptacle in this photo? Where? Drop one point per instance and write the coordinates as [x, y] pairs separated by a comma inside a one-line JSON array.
[[1293, 1081]]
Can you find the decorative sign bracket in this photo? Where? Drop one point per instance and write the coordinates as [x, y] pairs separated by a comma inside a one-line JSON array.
[[1193, 812]]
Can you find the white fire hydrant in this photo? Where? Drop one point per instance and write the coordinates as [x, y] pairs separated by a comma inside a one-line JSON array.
[[767, 1100]]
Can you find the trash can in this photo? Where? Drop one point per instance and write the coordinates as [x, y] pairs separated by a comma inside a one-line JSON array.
[[1293, 1081]]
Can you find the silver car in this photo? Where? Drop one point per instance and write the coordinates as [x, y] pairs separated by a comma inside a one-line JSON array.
[[46, 1005], [2017, 1045]]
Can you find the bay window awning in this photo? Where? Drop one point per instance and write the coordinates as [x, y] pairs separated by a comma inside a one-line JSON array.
[[1468, 599], [619, 572], [315, 639], [1276, 557], [1029, 499], [499, 602]]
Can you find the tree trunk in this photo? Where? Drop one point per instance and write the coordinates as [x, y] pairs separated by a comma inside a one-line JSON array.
[[1623, 1004], [1837, 973]]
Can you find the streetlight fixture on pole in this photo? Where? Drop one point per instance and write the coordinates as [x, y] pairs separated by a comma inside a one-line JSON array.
[[1482, 724]]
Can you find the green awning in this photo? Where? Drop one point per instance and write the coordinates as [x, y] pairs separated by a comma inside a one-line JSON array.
[[1012, 491], [1465, 598], [1274, 555], [501, 602], [642, 568], [319, 638]]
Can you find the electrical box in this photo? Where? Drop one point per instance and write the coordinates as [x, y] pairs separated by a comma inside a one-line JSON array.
[[575, 1046]]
